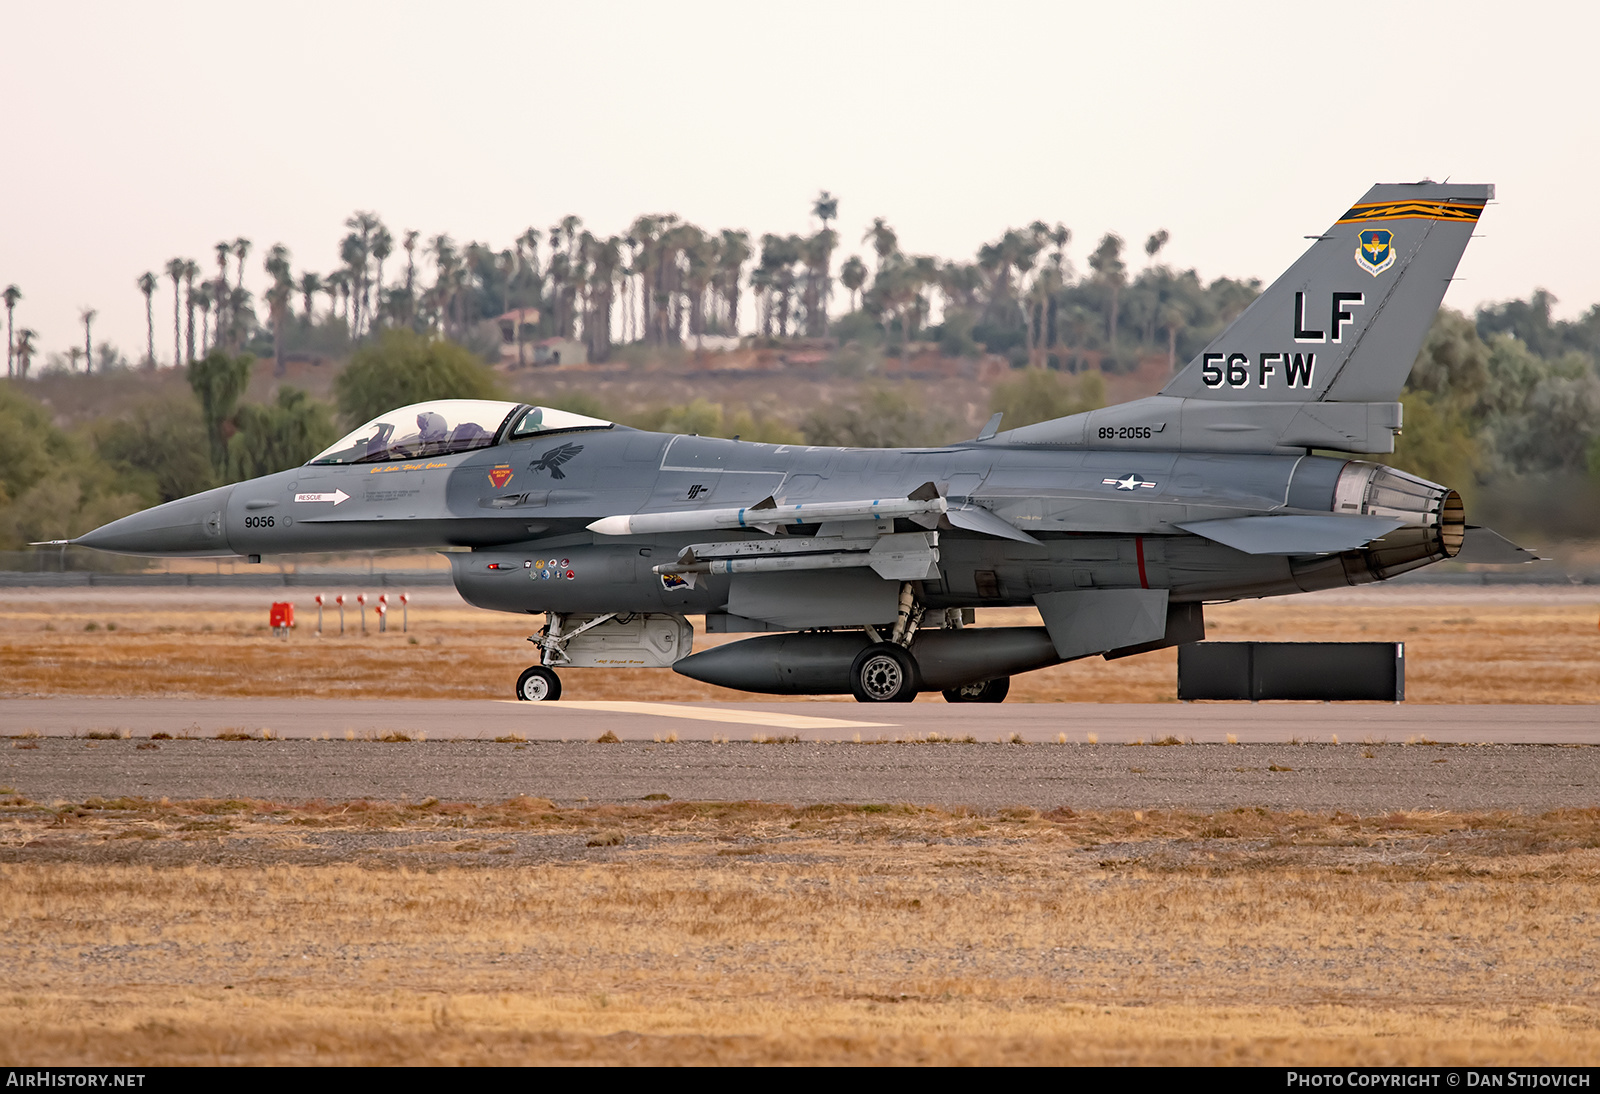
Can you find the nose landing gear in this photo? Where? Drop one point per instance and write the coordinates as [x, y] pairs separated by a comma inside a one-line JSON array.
[[539, 684]]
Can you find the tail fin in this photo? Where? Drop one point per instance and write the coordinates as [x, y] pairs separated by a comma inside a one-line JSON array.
[[1319, 359], [1345, 323]]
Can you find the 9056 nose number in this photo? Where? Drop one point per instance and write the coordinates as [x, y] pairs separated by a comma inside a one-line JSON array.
[[258, 522]]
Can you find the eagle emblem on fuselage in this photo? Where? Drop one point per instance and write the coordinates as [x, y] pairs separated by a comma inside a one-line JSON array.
[[552, 460], [1375, 250]]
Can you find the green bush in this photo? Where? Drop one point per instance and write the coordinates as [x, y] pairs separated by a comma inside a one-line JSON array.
[[405, 368]]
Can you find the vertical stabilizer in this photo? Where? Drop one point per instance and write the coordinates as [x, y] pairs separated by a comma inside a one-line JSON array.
[[1347, 320], [1320, 358]]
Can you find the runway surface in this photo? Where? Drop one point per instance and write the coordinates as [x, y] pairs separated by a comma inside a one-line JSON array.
[[1387, 756], [1111, 723], [1318, 777]]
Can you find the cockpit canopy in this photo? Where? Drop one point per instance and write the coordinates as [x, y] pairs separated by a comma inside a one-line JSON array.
[[447, 426]]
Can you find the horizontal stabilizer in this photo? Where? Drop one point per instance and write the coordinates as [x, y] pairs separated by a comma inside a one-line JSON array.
[[1293, 535], [1489, 548]]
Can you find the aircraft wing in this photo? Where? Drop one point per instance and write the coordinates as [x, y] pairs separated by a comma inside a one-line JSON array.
[[1293, 535]]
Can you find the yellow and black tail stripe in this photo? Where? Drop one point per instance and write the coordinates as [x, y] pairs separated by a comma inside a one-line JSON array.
[[1414, 210]]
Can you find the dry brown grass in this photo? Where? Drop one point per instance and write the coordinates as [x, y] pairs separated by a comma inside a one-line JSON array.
[[1493, 652], [140, 933]]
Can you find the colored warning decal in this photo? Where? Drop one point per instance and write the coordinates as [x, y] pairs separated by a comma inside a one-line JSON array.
[[1375, 250], [1414, 210], [499, 476]]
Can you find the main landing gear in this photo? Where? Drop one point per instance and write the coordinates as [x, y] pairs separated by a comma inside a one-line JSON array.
[[989, 691], [883, 673], [886, 672]]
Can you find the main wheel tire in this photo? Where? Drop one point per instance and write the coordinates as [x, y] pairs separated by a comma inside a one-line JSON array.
[[883, 673], [539, 685], [988, 691]]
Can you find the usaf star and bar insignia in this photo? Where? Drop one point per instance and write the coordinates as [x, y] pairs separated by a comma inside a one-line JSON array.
[[1130, 481]]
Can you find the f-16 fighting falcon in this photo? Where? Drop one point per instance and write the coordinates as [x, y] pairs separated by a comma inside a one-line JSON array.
[[858, 570]]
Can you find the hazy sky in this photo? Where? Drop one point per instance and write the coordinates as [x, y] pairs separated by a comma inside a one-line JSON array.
[[136, 133]]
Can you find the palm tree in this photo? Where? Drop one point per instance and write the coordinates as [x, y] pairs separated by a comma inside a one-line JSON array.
[[445, 259], [241, 248], [1108, 265], [730, 269], [355, 250], [224, 251], [884, 240], [12, 295], [310, 285], [825, 208], [278, 298], [819, 278], [277, 262], [1153, 245], [175, 270], [191, 270], [337, 286], [1174, 317], [25, 350], [853, 275], [409, 242], [205, 295], [87, 316], [382, 248], [241, 317], [147, 285]]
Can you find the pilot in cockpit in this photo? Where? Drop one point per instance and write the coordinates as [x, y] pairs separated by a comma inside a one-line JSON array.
[[432, 428]]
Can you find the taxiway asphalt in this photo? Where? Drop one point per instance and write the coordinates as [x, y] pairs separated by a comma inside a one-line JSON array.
[[1111, 723], [1363, 779], [1387, 756]]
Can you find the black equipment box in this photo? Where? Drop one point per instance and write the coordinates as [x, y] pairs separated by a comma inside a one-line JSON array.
[[1292, 670]]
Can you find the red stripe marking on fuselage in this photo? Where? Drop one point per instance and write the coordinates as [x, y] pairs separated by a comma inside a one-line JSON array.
[[1138, 548]]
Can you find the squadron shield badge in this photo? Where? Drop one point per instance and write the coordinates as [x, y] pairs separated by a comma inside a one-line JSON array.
[[1375, 250]]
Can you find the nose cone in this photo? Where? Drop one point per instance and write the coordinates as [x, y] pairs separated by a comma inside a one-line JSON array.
[[188, 526]]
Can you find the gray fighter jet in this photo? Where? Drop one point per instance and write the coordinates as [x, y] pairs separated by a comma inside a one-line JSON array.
[[866, 564]]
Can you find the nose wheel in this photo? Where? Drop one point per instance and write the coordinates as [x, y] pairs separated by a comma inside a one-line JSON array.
[[539, 685]]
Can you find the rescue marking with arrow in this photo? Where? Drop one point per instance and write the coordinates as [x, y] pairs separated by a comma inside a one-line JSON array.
[[336, 497]]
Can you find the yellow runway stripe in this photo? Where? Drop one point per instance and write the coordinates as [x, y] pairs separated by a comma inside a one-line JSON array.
[[770, 719]]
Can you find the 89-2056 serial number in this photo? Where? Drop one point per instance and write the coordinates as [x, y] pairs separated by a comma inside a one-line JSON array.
[[1125, 433]]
